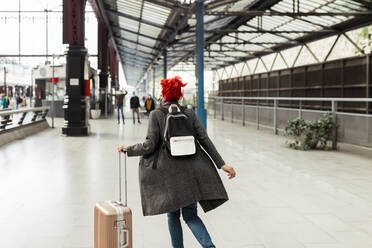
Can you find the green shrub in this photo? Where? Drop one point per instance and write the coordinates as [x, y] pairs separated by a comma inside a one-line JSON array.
[[310, 134]]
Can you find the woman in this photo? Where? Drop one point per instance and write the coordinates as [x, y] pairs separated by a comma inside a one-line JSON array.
[[149, 105], [175, 185]]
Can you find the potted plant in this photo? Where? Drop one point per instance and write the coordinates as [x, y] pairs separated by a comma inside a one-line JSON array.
[[95, 113], [310, 134]]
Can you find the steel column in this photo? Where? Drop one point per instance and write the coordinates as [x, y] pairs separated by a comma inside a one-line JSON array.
[[19, 31], [53, 84], [5, 88], [258, 115], [200, 111], [275, 116], [232, 112], [334, 130], [214, 108], [222, 110], [153, 82], [165, 63], [243, 114], [368, 79]]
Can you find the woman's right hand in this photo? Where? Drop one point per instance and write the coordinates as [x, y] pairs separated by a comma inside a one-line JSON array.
[[229, 170], [122, 148]]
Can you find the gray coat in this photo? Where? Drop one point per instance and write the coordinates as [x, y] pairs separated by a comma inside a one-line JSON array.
[[177, 182]]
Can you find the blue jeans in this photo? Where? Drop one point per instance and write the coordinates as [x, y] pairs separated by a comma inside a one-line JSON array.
[[190, 216], [120, 108]]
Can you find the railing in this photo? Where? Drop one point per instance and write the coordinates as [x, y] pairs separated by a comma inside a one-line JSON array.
[[7, 117], [225, 104]]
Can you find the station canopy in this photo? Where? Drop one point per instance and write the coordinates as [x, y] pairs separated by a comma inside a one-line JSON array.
[[235, 30]]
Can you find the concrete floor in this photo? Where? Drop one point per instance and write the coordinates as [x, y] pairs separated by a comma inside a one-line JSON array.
[[282, 198]]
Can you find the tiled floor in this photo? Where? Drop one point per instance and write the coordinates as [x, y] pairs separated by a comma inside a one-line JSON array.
[[281, 198]]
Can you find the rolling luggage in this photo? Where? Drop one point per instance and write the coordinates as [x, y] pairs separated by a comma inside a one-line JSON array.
[[113, 220]]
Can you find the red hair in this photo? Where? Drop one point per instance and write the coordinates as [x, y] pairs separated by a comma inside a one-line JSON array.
[[171, 88]]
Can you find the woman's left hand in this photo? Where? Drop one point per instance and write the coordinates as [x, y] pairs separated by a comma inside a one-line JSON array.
[[122, 148]]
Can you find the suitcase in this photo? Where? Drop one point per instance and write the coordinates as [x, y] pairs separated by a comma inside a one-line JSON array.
[[113, 220]]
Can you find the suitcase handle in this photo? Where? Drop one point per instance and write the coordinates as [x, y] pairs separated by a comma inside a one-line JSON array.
[[125, 181], [125, 234]]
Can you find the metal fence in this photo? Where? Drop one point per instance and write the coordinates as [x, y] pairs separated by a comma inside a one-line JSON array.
[[15, 118], [268, 112]]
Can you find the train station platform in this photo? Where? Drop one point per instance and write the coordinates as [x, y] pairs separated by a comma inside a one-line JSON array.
[[281, 198]]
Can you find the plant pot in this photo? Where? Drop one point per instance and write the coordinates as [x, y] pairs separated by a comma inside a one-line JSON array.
[[96, 113]]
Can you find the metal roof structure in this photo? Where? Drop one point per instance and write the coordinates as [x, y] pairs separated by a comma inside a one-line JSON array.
[[235, 30]]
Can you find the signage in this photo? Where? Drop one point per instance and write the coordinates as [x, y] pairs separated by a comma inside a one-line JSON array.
[[56, 80], [74, 81]]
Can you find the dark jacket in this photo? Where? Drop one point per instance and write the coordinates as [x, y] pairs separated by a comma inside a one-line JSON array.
[[119, 97], [134, 102], [149, 104], [177, 182]]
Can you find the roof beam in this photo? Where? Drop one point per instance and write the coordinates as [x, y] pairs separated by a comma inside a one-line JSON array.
[[125, 56], [237, 21], [265, 31], [229, 35], [139, 34], [212, 51], [135, 42], [180, 22], [167, 4], [218, 3], [135, 55], [137, 51], [139, 63], [254, 13], [239, 43], [135, 62], [343, 27], [121, 14], [365, 3], [279, 35], [205, 55]]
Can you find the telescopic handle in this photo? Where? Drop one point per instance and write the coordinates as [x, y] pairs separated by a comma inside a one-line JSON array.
[[125, 178]]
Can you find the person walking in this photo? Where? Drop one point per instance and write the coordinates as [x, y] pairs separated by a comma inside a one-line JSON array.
[[174, 185], [149, 105], [119, 101], [24, 102], [4, 103], [7, 101], [18, 101], [134, 105]]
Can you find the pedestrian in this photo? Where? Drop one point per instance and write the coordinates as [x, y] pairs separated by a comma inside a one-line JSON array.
[[24, 102], [149, 105], [134, 105], [119, 101], [174, 185], [18, 100], [7, 100], [4, 104]]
